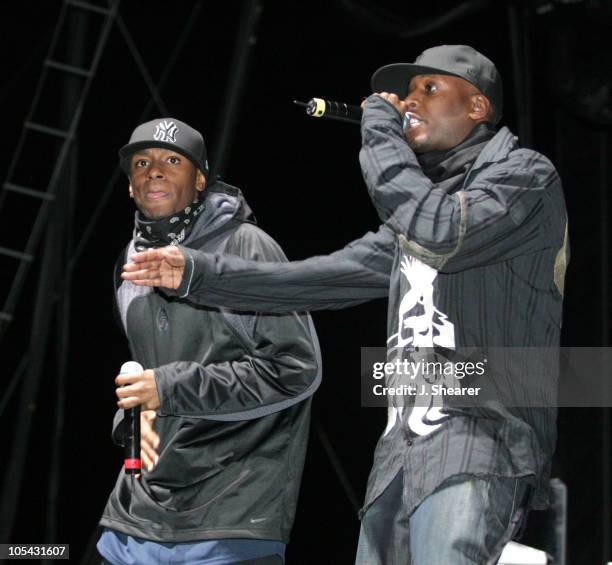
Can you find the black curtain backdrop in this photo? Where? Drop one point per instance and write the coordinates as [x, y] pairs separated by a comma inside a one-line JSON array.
[[302, 178]]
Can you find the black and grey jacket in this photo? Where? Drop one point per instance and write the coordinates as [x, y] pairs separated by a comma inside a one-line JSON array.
[[235, 390], [480, 266]]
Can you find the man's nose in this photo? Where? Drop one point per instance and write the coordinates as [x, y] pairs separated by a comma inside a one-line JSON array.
[[156, 171], [412, 102]]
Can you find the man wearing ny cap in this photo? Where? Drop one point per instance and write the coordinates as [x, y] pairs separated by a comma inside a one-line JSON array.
[[225, 395], [471, 252]]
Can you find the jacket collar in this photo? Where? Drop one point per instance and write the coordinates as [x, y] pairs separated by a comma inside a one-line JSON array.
[[223, 203], [498, 149]]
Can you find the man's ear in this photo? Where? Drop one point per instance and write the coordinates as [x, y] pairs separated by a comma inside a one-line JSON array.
[[200, 181], [480, 107], [131, 191]]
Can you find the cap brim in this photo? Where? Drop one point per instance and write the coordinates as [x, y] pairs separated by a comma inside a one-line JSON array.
[[128, 150], [396, 77]]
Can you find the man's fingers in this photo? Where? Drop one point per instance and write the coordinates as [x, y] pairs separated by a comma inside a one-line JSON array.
[[127, 403], [143, 277], [127, 379], [140, 273], [141, 266], [393, 99], [130, 384], [126, 391], [172, 280], [156, 255], [148, 415], [127, 387], [150, 437], [144, 256], [150, 451], [146, 460], [152, 442], [149, 440], [389, 97], [130, 396]]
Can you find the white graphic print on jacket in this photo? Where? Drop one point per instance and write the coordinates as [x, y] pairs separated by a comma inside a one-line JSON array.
[[420, 325]]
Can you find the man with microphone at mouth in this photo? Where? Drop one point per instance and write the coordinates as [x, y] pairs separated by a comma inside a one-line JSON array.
[[471, 251], [224, 395]]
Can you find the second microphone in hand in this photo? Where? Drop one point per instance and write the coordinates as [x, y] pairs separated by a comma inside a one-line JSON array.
[[132, 463]]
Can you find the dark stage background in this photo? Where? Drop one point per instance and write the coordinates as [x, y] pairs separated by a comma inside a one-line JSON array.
[[301, 176]]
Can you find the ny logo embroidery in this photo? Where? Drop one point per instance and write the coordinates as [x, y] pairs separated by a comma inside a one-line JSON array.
[[165, 131]]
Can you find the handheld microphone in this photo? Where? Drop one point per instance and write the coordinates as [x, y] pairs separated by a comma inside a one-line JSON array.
[[131, 462], [320, 108]]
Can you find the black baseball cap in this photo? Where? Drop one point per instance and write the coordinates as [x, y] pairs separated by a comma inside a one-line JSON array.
[[168, 133], [461, 61]]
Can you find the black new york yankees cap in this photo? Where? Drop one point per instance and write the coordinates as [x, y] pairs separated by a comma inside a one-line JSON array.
[[461, 61], [167, 133]]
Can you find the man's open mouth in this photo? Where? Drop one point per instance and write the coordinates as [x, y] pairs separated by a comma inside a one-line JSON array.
[[411, 121]]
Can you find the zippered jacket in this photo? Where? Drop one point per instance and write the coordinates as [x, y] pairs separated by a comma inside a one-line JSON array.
[[235, 390]]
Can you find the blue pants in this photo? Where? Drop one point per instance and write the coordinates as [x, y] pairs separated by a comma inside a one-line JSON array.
[[467, 521], [269, 560]]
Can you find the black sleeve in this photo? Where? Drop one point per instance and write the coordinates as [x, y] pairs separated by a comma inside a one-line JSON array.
[[357, 273], [502, 213]]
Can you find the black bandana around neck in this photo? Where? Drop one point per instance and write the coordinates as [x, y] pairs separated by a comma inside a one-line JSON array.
[[171, 230], [449, 167]]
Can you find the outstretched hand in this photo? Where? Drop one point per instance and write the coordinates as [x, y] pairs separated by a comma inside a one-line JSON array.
[[156, 267]]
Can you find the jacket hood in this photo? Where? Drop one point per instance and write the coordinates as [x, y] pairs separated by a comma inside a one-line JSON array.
[[223, 203]]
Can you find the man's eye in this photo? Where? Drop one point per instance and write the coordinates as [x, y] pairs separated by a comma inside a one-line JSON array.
[[430, 88], [174, 160], [141, 163]]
